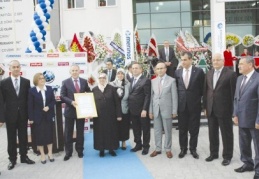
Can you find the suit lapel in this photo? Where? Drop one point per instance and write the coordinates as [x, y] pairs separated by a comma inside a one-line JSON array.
[[221, 77], [164, 84], [11, 86], [249, 82], [192, 76], [72, 84], [82, 85]]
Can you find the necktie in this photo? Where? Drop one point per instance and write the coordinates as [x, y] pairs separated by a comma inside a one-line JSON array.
[[134, 82], [77, 86], [215, 78], [160, 85], [109, 75], [167, 54], [186, 79], [16, 86], [243, 85]]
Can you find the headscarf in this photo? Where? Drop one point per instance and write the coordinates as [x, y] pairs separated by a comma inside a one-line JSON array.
[[119, 84], [100, 86]]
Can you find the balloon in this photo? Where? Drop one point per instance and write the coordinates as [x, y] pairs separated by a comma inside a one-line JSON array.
[[41, 41], [31, 48], [43, 5], [36, 30], [34, 38], [43, 18], [39, 49], [38, 8], [41, 27], [39, 35], [27, 50], [36, 16], [36, 44], [49, 8], [40, 1], [47, 3], [43, 32], [47, 15], [38, 22], [43, 38], [51, 2], [32, 34], [45, 24], [45, 11], [40, 12]]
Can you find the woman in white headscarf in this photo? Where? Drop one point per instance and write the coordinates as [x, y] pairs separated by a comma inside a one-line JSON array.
[[122, 86], [109, 113]]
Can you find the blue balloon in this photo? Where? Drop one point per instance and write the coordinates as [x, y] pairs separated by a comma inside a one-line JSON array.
[[43, 32], [32, 34], [43, 5], [34, 38], [36, 16], [40, 1], [43, 38], [39, 49], [38, 22], [27, 50], [51, 6], [41, 27], [45, 10], [51, 2], [47, 15], [36, 44]]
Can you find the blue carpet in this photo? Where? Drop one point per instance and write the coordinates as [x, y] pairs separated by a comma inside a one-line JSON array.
[[125, 165]]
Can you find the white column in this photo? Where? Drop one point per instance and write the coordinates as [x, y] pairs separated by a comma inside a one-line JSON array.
[[218, 25]]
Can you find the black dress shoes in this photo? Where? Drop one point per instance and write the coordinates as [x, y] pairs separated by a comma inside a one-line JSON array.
[[211, 157], [101, 154], [195, 155], [182, 153], [145, 151], [256, 176], [244, 168], [112, 153], [11, 165], [44, 162], [226, 162], [80, 154], [136, 148], [67, 157], [27, 160]]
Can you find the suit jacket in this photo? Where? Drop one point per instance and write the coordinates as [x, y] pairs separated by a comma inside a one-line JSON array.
[[246, 104], [15, 105], [35, 105], [220, 99], [192, 95], [172, 57], [1, 107], [113, 74], [166, 101], [67, 95], [139, 96]]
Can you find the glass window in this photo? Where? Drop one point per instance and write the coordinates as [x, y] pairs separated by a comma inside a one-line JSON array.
[[142, 7], [165, 34], [165, 6], [242, 29], [185, 5], [186, 19], [104, 3], [165, 20], [75, 4], [143, 20], [241, 16], [144, 36]]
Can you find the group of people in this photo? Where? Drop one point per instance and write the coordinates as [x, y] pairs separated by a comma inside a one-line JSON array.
[[122, 98]]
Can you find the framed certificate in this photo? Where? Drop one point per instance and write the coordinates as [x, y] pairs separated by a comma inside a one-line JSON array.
[[85, 105]]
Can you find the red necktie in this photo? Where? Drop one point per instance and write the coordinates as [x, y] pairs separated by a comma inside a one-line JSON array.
[[77, 86]]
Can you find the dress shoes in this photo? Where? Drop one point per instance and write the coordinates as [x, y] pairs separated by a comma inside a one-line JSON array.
[[27, 160], [244, 168], [80, 154], [211, 157], [256, 176], [145, 151], [155, 153], [67, 157], [112, 153], [136, 148], [195, 155], [11, 165], [51, 159], [169, 154], [101, 154], [44, 162], [182, 153], [225, 162]]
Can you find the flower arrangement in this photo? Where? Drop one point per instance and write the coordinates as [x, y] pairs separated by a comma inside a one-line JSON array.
[[233, 39], [91, 80], [117, 57], [88, 46], [62, 47], [101, 52], [248, 40]]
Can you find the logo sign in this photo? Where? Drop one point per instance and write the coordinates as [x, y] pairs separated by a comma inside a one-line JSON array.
[[37, 64], [79, 54], [128, 47], [63, 63], [54, 55]]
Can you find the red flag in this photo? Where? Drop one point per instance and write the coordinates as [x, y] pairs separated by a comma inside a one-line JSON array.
[[152, 46], [137, 42], [75, 45]]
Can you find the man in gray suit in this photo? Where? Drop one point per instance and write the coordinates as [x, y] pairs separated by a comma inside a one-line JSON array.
[[246, 116], [163, 107]]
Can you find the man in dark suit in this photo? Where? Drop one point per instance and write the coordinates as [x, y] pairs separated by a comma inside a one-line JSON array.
[[129, 73], [139, 98], [70, 86], [220, 85], [190, 81], [166, 54], [15, 95], [245, 115], [111, 73], [1, 110]]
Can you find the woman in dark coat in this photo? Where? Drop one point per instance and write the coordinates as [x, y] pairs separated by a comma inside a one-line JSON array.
[[109, 113], [122, 85], [41, 101]]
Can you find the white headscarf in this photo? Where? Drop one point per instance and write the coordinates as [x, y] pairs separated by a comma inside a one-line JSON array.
[[100, 86]]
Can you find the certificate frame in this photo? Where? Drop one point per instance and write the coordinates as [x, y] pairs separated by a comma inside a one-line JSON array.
[[85, 105]]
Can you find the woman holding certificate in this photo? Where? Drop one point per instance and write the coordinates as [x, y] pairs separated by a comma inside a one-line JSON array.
[[109, 113], [41, 101], [122, 86]]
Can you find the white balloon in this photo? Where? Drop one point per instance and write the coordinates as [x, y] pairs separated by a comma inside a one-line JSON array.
[[34, 51], [43, 18], [47, 3], [31, 47], [45, 24], [49, 8], [41, 41], [38, 8], [36, 30], [40, 12], [39, 35]]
